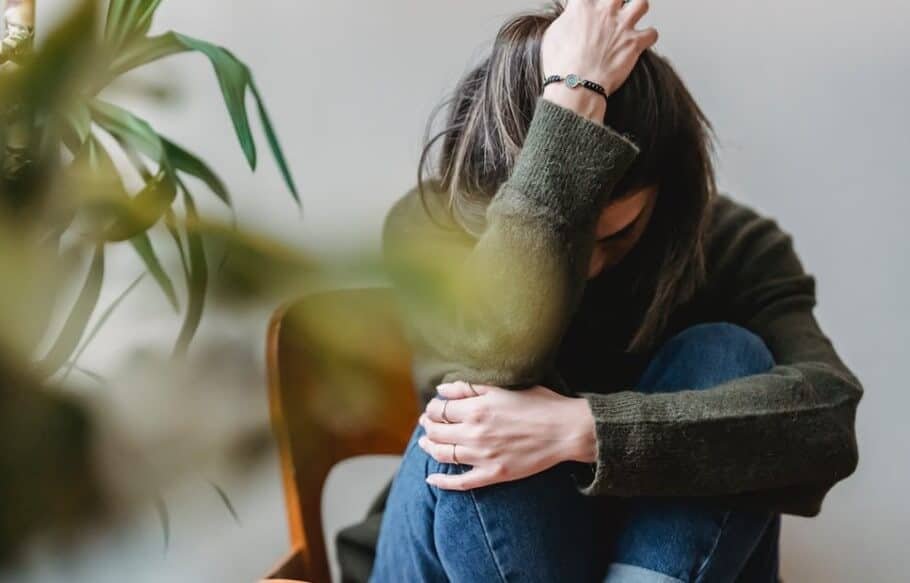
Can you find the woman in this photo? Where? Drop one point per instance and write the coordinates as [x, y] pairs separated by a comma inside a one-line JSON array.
[[622, 375]]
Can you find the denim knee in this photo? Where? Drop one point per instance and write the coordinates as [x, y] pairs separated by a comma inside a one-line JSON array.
[[704, 355], [737, 347]]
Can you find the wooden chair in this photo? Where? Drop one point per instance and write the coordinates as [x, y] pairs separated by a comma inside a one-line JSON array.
[[339, 382]]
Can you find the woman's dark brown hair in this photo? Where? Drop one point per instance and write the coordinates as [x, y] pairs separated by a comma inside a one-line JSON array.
[[489, 116]]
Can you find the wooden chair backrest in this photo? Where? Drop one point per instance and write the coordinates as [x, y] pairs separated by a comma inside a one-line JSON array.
[[339, 375]]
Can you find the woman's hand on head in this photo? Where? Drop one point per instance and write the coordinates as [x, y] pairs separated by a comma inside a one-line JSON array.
[[597, 40], [504, 434]]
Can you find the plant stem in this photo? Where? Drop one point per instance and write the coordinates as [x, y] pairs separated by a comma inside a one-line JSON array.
[[18, 39]]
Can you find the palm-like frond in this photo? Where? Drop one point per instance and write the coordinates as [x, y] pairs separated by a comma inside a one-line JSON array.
[[236, 82], [54, 82]]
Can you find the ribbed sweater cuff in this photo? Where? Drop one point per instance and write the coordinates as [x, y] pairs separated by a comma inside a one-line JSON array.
[[568, 164]]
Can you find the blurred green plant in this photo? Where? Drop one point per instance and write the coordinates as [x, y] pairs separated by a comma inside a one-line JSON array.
[[65, 159], [66, 155], [55, 123]]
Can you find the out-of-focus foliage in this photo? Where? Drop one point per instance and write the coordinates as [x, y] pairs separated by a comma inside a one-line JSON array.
[[46, 477], [63, 203], [60, 181]]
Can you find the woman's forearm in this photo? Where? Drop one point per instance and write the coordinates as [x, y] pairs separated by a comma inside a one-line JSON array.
[[493, 310]]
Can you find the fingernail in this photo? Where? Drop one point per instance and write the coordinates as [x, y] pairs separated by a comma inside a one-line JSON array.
[[431, 480]]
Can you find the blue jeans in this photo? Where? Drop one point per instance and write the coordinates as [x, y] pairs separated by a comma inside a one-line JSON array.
[[541, 529]]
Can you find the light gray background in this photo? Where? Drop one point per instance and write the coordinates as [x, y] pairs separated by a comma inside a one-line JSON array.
[[809, 99]]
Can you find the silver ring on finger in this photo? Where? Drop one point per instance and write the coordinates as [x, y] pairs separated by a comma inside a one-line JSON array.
[[473, 390], [444, 418]]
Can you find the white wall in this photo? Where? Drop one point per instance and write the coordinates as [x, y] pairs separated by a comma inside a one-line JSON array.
[[809, 99]]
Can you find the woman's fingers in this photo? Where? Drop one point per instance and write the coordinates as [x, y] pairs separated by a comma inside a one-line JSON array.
[[461, 390], [443, 432], [646, 37], [633, 11], [474, 478], [613, 5], [448, 453], [456, 390], [455, 410]]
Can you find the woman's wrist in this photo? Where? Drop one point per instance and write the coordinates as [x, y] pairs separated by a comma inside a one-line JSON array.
[[580, 426], [582, 101]]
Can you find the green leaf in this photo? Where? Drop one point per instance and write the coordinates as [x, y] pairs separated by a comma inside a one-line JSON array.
[[226, 500], [185, 161], [92, 159], [127, 19], [170, 221], [143, 51], [116, 17], [198, 280], [145, 209], [143, 246], [141, 242], [274, 145], [164, 518], [128, 128], [95, 156], [234, 78], [77, 125], [137, 134], [159, 192], [77, 321], [98, 325], [92, 375]]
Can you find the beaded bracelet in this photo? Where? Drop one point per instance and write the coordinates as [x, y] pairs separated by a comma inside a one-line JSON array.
[[572, 80]]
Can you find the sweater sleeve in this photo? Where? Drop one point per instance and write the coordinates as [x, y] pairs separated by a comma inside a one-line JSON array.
[[491, 309], [779, 439]]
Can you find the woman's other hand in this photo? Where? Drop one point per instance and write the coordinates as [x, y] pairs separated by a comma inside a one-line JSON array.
[[504, 434], [596, 40]]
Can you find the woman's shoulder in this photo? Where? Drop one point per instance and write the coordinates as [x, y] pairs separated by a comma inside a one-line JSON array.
[[744, 241], [727, 211], [735, 223]]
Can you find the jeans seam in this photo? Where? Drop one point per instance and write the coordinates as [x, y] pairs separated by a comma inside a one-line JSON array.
[[486, 537], [720, 532]]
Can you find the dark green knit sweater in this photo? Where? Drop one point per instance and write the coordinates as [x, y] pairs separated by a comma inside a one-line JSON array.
[[514, 308]]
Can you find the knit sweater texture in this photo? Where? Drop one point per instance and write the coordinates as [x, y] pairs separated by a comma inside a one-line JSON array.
[[514, 307]]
